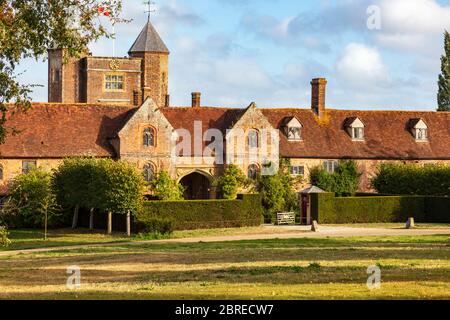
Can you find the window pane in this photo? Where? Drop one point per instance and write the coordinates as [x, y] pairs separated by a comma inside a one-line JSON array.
[[253, 139], [294, 133]]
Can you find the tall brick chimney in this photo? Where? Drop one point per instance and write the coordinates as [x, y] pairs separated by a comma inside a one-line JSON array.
[[196, 99], [318, 94]]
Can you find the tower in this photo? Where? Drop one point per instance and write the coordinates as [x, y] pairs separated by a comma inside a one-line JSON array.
[[155, 64], [65, 77]]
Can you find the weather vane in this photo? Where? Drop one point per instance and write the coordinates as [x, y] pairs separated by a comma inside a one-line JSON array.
[[149, 3]]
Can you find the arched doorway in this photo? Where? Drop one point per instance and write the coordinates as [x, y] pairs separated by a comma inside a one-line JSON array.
[[197, 186]]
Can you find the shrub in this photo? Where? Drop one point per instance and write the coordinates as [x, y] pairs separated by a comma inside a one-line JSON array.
[[401, 179], [165, 188], [229, 183], [277, 191], [31, 201], [344, 182], [205, 214], [163, 226], [4, 241], [326, 208]]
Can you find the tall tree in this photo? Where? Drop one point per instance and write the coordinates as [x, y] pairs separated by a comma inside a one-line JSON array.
[[29, 27], [444, 77]]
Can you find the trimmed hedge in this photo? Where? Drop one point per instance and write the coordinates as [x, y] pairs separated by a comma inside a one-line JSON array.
[[326, 208], [203, 214], [412, 179], [438, 209]]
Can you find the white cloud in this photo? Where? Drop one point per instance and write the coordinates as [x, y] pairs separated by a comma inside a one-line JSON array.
[[362, 66]]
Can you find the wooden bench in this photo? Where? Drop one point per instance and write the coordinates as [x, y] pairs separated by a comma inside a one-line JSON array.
[[285, 218]]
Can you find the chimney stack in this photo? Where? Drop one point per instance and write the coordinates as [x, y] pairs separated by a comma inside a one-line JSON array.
[[196, 97], [318, 94]]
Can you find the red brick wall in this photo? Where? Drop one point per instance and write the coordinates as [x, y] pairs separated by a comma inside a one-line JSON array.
[[98, 68], [155, 76]]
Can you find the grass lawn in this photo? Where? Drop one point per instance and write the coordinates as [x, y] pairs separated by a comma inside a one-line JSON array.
[[394, 225], [34, 239], [412, 268]]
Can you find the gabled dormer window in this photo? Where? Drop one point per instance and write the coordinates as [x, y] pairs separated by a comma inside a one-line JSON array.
[[419, 130], [293, 129], [355, 128]]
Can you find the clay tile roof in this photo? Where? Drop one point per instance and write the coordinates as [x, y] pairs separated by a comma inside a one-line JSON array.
[[148, 41], [210, 117], [58, 131], [387, 135]]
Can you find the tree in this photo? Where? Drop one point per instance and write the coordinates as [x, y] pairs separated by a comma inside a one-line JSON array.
[[32, 200], [29, 27], [343, 182], [165, 188], [444, 77], [121, 189], [230, 181], [76, 182], [277, 191]]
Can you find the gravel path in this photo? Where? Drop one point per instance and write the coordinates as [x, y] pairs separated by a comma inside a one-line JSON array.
[[288, 232]]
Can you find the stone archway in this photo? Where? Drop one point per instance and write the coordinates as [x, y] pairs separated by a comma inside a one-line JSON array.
[[197, 186]]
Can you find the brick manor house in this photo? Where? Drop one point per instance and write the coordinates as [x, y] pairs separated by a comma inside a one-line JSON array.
[[119, 108]]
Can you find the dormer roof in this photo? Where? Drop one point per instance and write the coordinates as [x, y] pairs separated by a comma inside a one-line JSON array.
[[291, 122], [353, 122]]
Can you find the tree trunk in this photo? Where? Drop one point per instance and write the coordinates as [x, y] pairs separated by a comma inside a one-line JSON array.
[[75, 217], [45, 226], [110, 222], [91, 219], [128, 224]]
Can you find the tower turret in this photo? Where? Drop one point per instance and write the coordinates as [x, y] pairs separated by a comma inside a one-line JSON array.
[[155, 64]]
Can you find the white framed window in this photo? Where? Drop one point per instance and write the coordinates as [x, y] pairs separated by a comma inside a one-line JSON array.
[[331, 166], [294, 133], [422, 134], [297, 171], [358, 133], [114, 82]]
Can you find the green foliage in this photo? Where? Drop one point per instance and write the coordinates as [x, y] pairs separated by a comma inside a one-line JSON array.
[[165, 188], [121, 187], [277, 191], [4, 241], [400, 179], [229, 183], [206, 214], [76, 182], [326, 208], [102, 184], [343, 182], [31, 200], [28, 28], [152, 225], [444, 77]]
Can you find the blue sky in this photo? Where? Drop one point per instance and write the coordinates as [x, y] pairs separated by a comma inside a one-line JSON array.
[[239, 51]]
